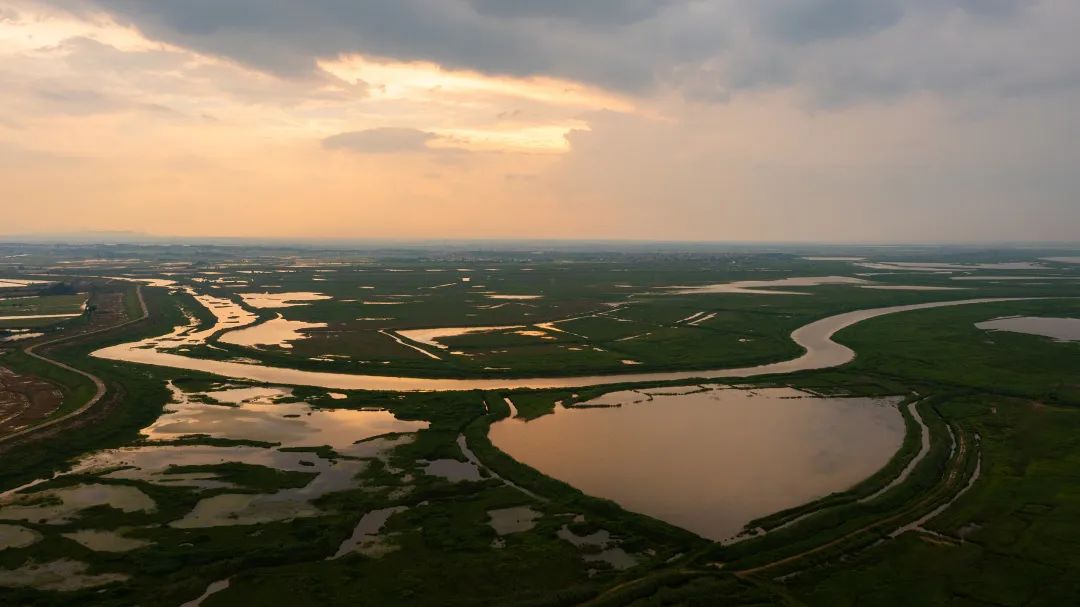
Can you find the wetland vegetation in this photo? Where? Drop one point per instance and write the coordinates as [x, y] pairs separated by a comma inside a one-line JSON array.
[[943, 452]]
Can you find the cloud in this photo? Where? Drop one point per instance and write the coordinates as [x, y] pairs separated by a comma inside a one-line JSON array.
[[837, 50], [593, 12], [761, 168], [385, 140], [815, 119], [814, 20]]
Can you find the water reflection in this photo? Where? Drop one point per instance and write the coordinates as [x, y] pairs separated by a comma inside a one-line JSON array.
[[257, 414], [277, 332], [816, 338], [433, 337], [711, 460], [366, 538], [64, 575], [248, 414], [62, 506], [767, 287], [1061, 329], [15, 536], [281, 300], [105, 541]]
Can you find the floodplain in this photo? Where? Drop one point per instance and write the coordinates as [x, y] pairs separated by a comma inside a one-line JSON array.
[[245, 425]]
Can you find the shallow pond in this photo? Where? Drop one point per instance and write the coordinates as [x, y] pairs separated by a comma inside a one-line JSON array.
[[768, 287], [1061, 329], [20, 335], [925, 266], [281, 300], [505, 521], [709, 461], [607, 549], [453, 470], [105, 541], [434, 337], [63, 505], [256, 415], [63, 575], [16, 536], [277, 332], [366, 538], [8, 283], [910, 288], [249, 413]]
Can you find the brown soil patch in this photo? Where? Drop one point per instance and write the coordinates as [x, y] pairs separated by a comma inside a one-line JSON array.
[[25, 400]]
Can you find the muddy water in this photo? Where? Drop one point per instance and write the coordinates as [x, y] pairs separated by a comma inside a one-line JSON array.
[[709, 461], [433, 337], [277, 332], [228, 315], [366, 538], [453, 470], [62, 506], [604, 547], [63, 575], [105, 541], [213, 588], [251, 413], [910, 288], [923, 266], [1061, 329], [39, 316], [821, 352], [257, 415], [767, 287], [15, 536], [505, 521], [281, 300]]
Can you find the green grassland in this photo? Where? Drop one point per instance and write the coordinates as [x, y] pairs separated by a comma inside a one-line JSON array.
[[1012, 399], [45, 304], [1018, 523], [141, 391], [36, 306], [601, 321]]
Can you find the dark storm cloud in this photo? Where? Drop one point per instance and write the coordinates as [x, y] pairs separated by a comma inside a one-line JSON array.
[[811, 20], [993, 8], [286, 37], [711, 49], [595, 12]]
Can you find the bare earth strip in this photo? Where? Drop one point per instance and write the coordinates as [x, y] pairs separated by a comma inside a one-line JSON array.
[[99, 385]]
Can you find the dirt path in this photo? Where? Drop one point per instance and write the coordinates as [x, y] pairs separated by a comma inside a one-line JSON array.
[[99, 385]]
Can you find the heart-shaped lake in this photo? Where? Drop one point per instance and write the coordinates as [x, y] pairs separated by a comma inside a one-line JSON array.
[[709, 459]]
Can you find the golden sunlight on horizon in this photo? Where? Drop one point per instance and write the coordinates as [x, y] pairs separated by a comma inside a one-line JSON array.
[[406, 79], [425, 85], [37, 29], [459, 119]]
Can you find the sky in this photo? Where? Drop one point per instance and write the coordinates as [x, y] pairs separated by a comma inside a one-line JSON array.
[[705, 120]]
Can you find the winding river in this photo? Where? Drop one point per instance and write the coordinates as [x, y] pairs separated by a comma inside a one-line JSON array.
[[816, 338]]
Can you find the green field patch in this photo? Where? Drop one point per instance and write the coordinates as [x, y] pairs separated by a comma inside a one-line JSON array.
[[260, 478], [45, 304]]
